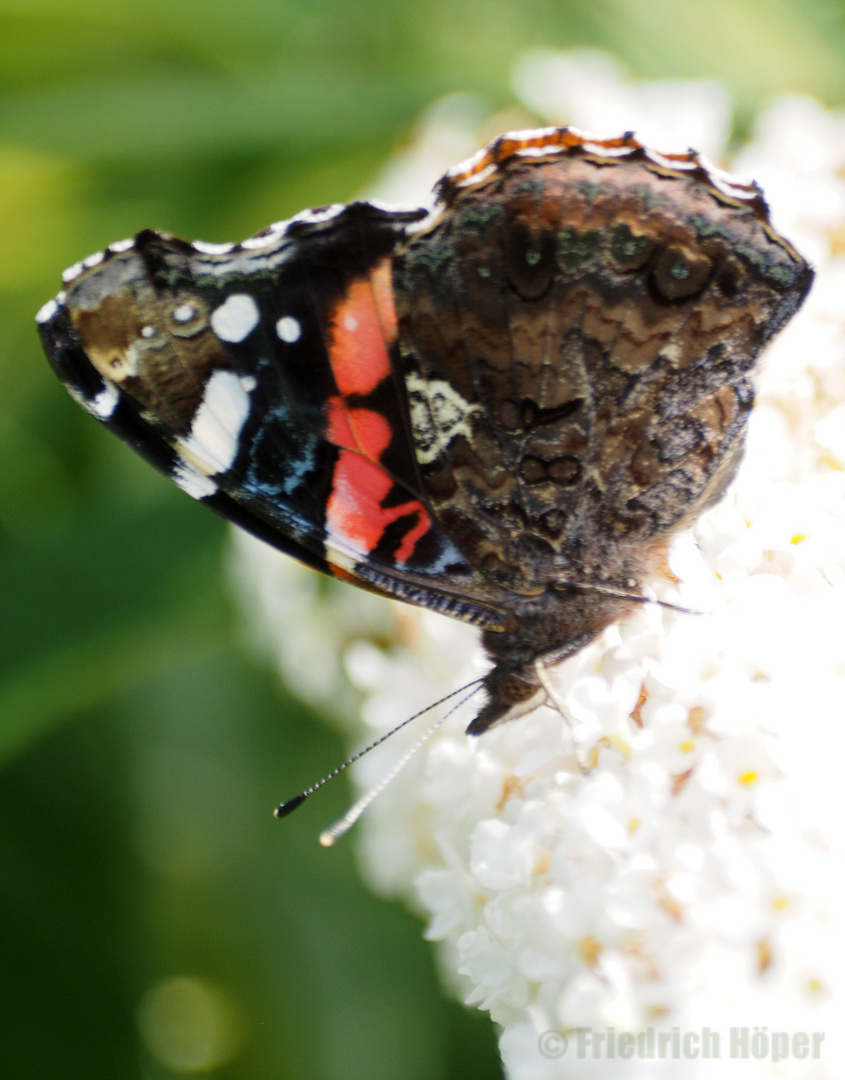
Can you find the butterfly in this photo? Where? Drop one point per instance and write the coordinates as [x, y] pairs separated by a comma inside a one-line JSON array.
[[500, 406]]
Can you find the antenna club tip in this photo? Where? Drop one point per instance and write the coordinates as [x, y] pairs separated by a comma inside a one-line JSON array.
[[326, 839], [289, 806]]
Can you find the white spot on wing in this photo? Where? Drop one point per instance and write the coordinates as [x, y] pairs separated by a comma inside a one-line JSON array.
[[428, 222], [438, 415], [470, 163], [211, 249], [600, 150], [737, 187], [72, 272], [267, 236], [46, 313], [669, 163], [324, 213], [184, 313], [105, 403], [236, 318], [193, 483], [479, 177], [289, 329], [392, 208], [102, 405], [121, 245], [255, 243], [271, 253], [213, 443], [529, 133], [539, 151]]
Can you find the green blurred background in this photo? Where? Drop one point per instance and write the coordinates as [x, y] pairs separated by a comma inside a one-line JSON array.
[[154, 918]]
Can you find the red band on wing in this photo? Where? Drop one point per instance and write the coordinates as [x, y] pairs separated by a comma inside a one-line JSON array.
[[354, 512], [381, 278], [357, 429], [363, 327]]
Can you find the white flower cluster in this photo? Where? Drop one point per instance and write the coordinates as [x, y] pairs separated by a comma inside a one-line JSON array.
[[688, 885]]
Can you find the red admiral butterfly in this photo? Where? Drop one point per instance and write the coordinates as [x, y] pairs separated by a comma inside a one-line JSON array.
[[500, 408]]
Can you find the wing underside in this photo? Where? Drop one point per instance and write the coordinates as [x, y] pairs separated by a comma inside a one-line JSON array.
[[262, 379]]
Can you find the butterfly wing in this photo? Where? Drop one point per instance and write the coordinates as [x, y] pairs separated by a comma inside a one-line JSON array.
[[262, 379], [579, 321]]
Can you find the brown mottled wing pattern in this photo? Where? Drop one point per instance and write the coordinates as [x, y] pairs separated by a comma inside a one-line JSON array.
[[577, 336]]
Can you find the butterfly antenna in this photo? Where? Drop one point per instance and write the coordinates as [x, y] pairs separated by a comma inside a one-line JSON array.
[[292, 804], [344, 824], [623, 594]]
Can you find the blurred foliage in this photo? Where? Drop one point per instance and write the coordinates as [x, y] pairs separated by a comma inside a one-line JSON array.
[[136, 842]]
